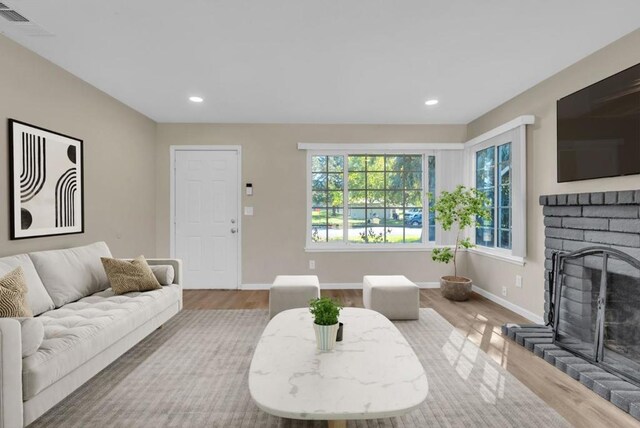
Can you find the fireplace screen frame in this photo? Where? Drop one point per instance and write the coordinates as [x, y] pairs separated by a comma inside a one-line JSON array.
[[555, 291]]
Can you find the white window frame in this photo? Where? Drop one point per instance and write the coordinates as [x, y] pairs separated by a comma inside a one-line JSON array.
[[446, 179], [345, 245], [514, 132], [495, 143]]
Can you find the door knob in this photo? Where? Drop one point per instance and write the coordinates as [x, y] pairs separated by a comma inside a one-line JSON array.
[[234, 230]]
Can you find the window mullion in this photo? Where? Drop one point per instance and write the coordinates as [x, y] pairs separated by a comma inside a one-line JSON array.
[[384, 198], [404, 203], [366, 198], [425, 188], [496, 197], [326, 203], [345, 199]]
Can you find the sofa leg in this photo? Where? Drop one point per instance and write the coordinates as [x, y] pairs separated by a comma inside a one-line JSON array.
[[160, 327]]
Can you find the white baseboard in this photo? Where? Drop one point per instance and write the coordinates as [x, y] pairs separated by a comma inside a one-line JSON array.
[[428, 284], [335, 286], [507, 304], [358, 286], [254, 286]]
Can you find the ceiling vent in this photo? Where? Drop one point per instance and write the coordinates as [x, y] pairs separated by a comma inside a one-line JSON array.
[[18, 23], [12, 15]]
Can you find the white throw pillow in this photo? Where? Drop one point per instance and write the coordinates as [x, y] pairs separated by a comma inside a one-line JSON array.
[[164, 274], [38, 299], [74, 273]]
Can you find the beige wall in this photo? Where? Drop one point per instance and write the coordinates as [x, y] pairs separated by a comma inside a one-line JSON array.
[[127, 173], [119, 146], [274, 238], [541, 165]]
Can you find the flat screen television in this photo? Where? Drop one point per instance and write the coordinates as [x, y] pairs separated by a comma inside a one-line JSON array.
[[599, 129]]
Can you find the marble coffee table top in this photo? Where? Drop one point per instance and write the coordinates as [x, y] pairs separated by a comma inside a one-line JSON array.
[[372, 373]]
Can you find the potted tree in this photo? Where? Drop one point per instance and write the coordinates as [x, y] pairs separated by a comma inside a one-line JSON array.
[[461, 208], [325, 322]]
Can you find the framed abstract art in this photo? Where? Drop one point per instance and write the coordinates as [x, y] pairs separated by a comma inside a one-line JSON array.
[[47, 186]]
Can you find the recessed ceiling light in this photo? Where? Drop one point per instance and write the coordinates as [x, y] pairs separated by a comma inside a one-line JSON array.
[[196, 99], [431, 102]]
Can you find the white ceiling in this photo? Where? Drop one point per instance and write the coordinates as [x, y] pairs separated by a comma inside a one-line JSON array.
[[319, 61]]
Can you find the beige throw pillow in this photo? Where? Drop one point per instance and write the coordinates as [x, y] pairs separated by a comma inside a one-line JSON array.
[[126, 276], [13, 295]]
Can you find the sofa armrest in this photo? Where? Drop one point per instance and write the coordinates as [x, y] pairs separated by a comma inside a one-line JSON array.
[[10, 374], [177, 267]]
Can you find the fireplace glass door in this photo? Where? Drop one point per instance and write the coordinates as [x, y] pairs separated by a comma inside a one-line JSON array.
[[621, 350], [597, 308], [577, 326]]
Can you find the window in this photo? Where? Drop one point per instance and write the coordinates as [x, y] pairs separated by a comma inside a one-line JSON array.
[[485, 182], [327, 198], [362, 200], [503, 224], [493, 178], [497, 166], [431, 168]]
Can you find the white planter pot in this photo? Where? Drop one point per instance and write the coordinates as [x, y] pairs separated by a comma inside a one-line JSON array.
[[326, 336]]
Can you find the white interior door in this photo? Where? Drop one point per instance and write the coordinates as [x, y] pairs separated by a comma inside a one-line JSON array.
[[206, 217]]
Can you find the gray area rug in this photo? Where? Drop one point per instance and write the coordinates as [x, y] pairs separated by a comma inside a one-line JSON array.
[[193, 373]]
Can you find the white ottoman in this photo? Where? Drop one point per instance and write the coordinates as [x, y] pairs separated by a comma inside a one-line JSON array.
[[292, 291], [394, 296]]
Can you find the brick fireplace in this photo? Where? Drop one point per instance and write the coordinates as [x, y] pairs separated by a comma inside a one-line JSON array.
[[596, 316], [576, 221], [595, 334]]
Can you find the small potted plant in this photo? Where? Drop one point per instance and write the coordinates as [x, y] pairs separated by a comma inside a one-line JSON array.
[[462, 208], [325, 322]]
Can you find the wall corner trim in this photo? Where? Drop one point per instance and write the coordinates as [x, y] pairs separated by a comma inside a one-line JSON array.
[[527, 119]]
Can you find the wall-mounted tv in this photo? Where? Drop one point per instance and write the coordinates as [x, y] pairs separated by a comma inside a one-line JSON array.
[[599, 129]]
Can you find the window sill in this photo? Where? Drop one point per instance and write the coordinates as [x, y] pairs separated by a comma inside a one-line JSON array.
[[368, 248], [498, 255]]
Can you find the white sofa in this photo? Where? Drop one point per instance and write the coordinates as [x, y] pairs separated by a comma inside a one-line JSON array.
[[86, 326]]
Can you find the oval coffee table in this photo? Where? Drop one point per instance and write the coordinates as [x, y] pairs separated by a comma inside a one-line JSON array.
[[373, 373]]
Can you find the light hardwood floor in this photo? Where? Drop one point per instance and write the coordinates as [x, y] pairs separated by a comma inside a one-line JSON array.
[[480, 320]]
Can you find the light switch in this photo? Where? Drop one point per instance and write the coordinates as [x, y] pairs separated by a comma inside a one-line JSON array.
[[248, 210], [519, 281]]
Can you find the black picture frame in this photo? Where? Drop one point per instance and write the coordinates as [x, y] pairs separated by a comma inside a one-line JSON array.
[[46, 182]]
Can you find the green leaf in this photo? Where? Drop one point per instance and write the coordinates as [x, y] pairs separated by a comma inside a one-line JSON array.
[[459, 209], [442, 255], [325, 311], [466, 243]]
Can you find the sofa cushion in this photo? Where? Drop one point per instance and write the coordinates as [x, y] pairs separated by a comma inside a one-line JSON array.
[[73, 273], [126, 276], [13, 295], [31, 334], [77, 332], [165, 274], [37, 297]]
